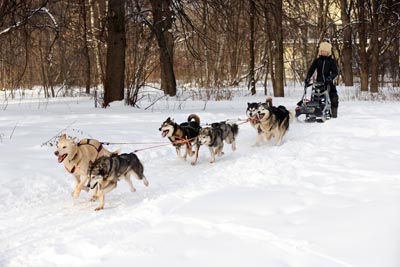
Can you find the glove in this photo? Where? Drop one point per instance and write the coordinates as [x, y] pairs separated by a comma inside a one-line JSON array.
[[307, 81]]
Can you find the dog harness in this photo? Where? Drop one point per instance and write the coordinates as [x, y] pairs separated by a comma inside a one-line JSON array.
[[98, 149]]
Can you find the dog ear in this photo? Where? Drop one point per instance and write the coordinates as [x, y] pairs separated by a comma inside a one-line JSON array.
[[73, 139], [63, 137], [269, 101]]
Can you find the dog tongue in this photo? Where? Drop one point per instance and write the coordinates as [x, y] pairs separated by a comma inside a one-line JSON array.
[[61, 158], [164, 133]]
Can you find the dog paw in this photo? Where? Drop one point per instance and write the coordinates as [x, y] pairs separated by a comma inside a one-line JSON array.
[[133, 190], [85, 188], [193, 163], [75, 194], [93, 199], [98, 208]]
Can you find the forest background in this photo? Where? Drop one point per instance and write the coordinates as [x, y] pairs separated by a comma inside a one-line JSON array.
[[117, 47]]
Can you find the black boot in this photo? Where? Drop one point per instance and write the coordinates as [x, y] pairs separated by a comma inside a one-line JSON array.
[[334, 112]]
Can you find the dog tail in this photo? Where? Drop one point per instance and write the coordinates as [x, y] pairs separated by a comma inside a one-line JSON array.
[[194, 117], [235, 129], [138, 167], [269, 101]]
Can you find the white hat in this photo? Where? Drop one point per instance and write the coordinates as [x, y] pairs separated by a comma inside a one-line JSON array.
[[325, 46]]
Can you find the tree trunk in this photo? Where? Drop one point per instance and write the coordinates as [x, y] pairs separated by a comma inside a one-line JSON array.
[[205, 40], [347, 51], [86, 47], [162, 27], [115, 69], [99, 73], [374, 45], [362, 36], [252, 82], [279, 64], [277, 49]]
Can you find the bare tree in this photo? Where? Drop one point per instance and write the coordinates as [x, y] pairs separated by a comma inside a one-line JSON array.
[[86, 46], [362, 45], [347, 50], [252, 81], [116, 42], [273, 14], [162, 27]]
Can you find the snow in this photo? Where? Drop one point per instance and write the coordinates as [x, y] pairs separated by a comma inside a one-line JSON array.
[[328, 196]]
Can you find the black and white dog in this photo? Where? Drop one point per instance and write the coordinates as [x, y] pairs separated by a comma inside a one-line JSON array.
[[184, 134]]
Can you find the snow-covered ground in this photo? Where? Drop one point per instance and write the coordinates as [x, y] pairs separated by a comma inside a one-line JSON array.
[[328, 196]]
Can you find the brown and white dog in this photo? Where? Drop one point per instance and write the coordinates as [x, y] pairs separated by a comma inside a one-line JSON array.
[[76, 157], [184, 134]]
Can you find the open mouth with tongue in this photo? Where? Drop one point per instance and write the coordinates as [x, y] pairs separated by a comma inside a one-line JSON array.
[[164, 133], [260, 116], [62, 157]]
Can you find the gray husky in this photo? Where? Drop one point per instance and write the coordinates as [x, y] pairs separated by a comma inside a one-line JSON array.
[[215, 136], [106, 171]]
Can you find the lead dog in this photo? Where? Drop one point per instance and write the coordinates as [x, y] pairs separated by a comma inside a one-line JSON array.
[[215, 136], [76, 157], [184, 134], [106, 171]]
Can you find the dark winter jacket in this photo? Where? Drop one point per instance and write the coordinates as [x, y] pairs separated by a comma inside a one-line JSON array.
[[326, 71]]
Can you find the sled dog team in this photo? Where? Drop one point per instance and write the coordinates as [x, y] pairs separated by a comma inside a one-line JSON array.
[[95, 167]]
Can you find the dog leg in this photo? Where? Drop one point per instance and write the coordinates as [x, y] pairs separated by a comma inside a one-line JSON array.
[[80, 186], [212, 154], [77, 180], [145, 182], [234, 145], [186, 153], [108, 187], [178, 153], [196, 154], [127, 178], [95, 196], [189, 149], [220, 151], [258, 139], [279, 138]]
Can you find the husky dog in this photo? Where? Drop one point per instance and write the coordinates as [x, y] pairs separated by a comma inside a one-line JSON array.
[[184, 134], [274, 121], [229, 132], [76, 158], [215, 135], [106, 171], [251, 112]]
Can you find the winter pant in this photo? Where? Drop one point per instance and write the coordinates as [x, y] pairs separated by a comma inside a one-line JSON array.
[[334, 104]]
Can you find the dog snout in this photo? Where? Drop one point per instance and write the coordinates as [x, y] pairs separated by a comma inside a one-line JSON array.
[[56, 153], [159, 129]]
